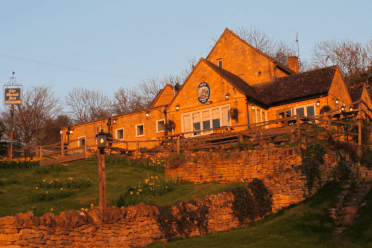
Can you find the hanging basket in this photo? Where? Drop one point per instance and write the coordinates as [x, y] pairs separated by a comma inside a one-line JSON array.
[[233, 113]]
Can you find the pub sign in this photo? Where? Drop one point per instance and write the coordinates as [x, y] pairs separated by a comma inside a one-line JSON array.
[[203, 92], [12, 96]]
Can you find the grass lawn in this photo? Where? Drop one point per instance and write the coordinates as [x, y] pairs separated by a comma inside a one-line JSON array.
[[304, 225], [17, 186]]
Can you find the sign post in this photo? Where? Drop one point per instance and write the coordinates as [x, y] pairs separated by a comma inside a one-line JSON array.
[[12, 95], [102, 144]]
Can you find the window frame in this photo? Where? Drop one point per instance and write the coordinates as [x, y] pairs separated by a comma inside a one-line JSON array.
[[218, 63], [116, 133], [79, 142], [157, 126], [284, 110], [305, 108], [201, 117], [135, 129]]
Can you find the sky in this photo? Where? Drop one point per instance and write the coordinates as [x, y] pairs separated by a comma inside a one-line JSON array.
[[105, 45]]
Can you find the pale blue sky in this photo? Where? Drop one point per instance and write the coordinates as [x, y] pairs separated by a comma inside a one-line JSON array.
[[139, 39]]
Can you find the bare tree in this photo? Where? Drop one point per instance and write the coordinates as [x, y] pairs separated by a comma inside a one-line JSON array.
[[39, 105], [87, 105], [127, 101], [353, 58], [258, 39]]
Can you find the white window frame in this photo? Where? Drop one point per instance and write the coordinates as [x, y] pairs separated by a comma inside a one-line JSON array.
[[256, 112], [201, 116], [116, 133], [305, 108], [156, 124], [79, 142], [141, 124]]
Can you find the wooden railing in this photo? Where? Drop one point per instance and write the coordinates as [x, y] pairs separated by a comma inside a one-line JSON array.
[[259, 133]]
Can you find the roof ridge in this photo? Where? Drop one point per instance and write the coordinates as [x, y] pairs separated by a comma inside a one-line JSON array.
[[262, 53]]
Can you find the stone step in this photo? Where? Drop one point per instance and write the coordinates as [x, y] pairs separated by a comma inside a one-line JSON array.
[[339, 230]]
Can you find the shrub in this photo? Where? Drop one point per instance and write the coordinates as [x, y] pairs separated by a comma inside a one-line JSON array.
[[366, 157], [312, 158], [188, 219], [243, 146], [176, 160], [227, 156]]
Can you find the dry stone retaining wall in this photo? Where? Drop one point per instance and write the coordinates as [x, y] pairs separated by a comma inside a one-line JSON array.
[[138, 226]]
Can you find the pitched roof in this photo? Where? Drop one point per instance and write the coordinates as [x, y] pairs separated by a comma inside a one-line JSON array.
[[278, 64], [236, 81], [296, 86], [355, 92]]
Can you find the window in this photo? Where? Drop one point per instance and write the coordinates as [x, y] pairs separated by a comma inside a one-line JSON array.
[[160, 126], [308, 110], [81, 141], [283, 113], [260, 115], [219, 62], [140, 130], [205, 119], [120, 134]]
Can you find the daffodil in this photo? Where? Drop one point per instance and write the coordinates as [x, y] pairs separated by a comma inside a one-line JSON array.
[[37, 187]]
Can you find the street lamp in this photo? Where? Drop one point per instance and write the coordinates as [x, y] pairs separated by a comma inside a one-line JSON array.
[[227, 96], [102, 141]]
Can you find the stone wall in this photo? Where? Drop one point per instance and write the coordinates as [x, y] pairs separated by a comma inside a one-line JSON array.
[[138, 226], [235, 166]]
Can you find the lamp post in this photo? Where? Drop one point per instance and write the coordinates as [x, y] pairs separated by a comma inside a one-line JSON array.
[[102, 144]]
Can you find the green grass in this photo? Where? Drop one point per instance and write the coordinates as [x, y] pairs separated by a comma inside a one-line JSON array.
[[18, 191], [304, 225]]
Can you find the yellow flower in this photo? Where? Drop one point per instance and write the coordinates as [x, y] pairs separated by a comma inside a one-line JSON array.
[[37, 187], [57, 179], [86, 210], [82, 209], [61, 188], [140, 190], [46, 192], [131, 193], [44, 180], [137, 193], [51, 209], [122, 207], [91, 205], [156, 177], [152, 177]]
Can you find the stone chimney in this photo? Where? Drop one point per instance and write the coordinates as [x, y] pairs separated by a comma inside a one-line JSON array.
[[293, 64]]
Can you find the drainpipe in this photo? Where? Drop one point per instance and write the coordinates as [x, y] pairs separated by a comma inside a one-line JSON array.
[[247, 104]]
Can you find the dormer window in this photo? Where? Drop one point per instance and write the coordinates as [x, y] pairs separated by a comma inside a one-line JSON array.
[[219, 62]]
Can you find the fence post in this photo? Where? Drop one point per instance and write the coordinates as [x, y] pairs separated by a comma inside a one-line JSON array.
[[126, 146], [298, 127], [36, 151], [178, 146], [137, 150], [41, 153], [241, 137], [85, 149], [62, 147], [359, 139]]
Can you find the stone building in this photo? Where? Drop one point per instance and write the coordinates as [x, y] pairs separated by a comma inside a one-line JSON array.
[[234, 76]]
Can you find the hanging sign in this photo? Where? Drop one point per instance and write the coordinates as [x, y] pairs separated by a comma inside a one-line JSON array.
[[12, 96], [203, 92]]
